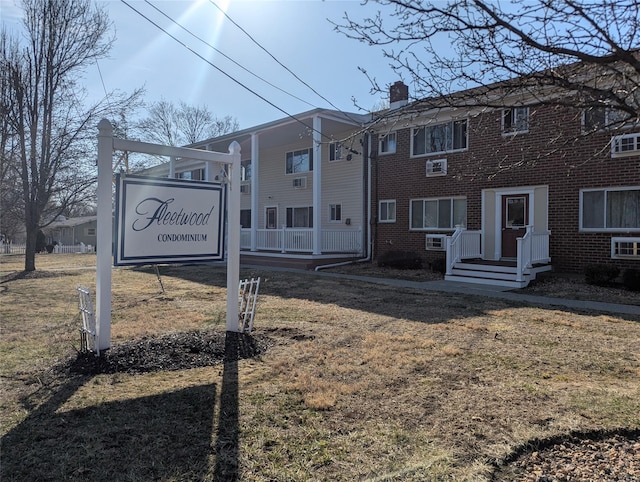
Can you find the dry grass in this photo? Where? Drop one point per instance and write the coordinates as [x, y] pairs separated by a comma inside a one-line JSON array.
[[361, 382]]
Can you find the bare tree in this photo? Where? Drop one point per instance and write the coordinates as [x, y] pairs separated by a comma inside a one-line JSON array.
[[577, 53], [182, 124], [50, 135]]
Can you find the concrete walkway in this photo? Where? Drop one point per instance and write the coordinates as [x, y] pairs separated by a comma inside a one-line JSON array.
[[472, 289]]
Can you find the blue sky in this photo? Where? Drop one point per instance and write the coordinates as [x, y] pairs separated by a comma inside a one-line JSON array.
[[296, 32]]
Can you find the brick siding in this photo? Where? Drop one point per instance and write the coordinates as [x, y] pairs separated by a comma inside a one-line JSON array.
[[552, 153]]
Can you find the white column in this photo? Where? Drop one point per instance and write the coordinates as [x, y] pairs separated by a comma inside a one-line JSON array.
[[233, 228], [255, 167], [317, 185], [172, 167], [104, 236]]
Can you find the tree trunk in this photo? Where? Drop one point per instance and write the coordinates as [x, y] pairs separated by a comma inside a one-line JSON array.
[[30, 248]]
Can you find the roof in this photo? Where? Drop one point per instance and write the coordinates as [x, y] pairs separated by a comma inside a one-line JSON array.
[[72, 222]]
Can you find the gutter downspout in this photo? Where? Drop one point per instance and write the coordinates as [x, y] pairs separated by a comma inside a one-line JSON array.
[[368, 220]]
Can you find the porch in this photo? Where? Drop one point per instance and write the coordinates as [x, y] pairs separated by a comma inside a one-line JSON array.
[[295, 247], [466, 261]]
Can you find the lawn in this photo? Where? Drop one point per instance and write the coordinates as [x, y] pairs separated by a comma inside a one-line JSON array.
[[354, 381]]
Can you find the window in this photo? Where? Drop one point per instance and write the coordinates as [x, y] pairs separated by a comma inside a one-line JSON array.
[[387, 211], [625, 248], [245, 170], [610, 209], [90, 231], [387, 143], [626, 145], [597, 118], [515, 120], [194, 175], [245, 188], [245, 218], [437, 167], [335, 151], [300, 217], [335, 212], [442, 213], [451, 136], [299, 161]]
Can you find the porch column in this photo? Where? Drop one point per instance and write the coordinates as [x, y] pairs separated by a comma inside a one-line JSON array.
[[317, 185], [255, 155], [172, 167]]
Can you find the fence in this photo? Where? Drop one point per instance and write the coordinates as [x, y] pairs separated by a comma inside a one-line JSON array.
[[13, 248]]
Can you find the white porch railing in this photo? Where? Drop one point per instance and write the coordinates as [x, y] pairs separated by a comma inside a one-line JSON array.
[[300, 240], [533, 248], [461, 245]]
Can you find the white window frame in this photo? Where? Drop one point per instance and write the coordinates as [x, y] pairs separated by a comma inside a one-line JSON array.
[[245, 170], [452, 123], [452, 225], [385, 145], [335, 151], [387, 203], [604, 229], [635, 248], [625, 145], [610, 120], [512, 122], [335, 213], [293, 208], [293, 154], [436, 167]]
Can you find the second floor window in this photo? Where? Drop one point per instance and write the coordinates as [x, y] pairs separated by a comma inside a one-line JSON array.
[[387, 143], [515, 120], [335, 151], [195, 175], [299, 161], [245, 172], [451, 136]]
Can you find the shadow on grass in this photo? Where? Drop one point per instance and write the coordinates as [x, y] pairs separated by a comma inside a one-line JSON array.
[[148, 438], [227, 437]]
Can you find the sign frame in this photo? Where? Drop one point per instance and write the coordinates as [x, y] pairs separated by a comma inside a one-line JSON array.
[[130, 242]]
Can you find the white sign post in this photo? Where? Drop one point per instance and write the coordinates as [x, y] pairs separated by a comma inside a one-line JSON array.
[[159, 216]]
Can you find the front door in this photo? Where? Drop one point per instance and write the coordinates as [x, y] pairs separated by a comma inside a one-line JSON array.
[[271, 218], [515, 217]]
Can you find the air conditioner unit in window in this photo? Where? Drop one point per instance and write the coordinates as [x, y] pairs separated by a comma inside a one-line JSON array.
[[437, 167], [300, 183], [436, 242], [245, 188]]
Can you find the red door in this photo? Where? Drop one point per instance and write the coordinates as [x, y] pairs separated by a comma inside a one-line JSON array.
[[515, 217]]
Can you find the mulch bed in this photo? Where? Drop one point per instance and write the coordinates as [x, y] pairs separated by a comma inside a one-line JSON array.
[[174, 351], [592, 457]]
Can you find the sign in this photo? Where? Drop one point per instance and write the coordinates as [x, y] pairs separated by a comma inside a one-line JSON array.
[[168, 220]]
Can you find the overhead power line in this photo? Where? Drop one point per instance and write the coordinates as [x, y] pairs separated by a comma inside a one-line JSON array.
[[280, 63], [226, 56]]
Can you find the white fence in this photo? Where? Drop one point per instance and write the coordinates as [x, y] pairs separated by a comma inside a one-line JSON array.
[[12, 248]]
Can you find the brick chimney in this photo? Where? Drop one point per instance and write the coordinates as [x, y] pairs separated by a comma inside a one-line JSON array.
[[398, 95]]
